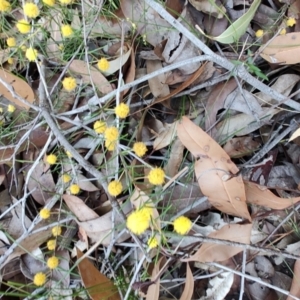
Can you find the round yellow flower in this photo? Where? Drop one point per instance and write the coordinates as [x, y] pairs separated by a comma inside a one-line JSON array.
[[139, 148], [66, 31], [52, 262], [122, 110], [11, 42], [152, 242], [31, 10], [66, 178], [111, 134], [11, 108], [51, 244], [23, 26], [51, 159], [259, 33], [56, 231], [182, 225], [283, 31], [290, 22], [110, 145], [49, 2], [138, 222], [99, 127], [39, 279], [10, 60], [115, 188], [4, 6], [45, 213], [156, 176], [23, 48], [74, 189], [31, 54], [69, 154], [66, 2], [69, 84], [103, 64]]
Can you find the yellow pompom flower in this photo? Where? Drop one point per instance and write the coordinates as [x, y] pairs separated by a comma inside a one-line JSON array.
[[139, 148], [122, 110], [290, 22], [111, 134], [103, 64], [39, 279], [99, 127], [66, 2], [10, 60], [69, 84], [283, 31], [31, 10], [69, 154], [182, 225], [45, 213], [259, 33], [11, 108], [51, 244], [152, 242], [110, 145], [156, 176], [66, 178], [4, 6], [51, 159], [23, 26], [11, 42], [66, 31], [115, 188], [23, 48], [31, 54], [56, 231], [138, 221], [49, 2], [52, 262], [74, 189]]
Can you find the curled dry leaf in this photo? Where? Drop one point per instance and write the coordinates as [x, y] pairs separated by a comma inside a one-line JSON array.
[[260, 195], [189, 285], [19, 86], [85, 184], [97, 285], [209, 7], [166, 136], [295, 288], [240, 146], [210, 252], [213, 170]]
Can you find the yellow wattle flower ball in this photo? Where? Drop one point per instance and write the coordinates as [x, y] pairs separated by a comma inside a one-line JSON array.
[[156, 176], [66, 31], [66, 178], [139, 149], [152, 242], [4, 6], [49, 2], [138, 222], [11, 42], [45, 213], [103, 64], [31, 54], [182, 225], [283, 31], [31, 10], [10, 60], [52, 262], [51, 244], [259, 33], [110, 145], [51, 159], [69, 154], [115, 188], [23, 26], [66, 2], [99, 127], [122, 110], [69, 83], [290, 22], [56, 231], [11, 108], [39, 279], [111, 134], [74, 189]]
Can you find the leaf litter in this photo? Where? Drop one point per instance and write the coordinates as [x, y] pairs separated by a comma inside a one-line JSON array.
[[99, 127]]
